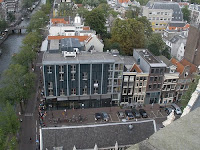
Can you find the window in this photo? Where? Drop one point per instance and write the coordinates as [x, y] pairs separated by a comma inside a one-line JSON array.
[[125, 91], [61, 69], [109, 89], [111, 67], [50, 92], [110, 75], [161, 70], [50, 85], [155, 78], [140, 83], [158, 13], [73, 91], [141, 78], [150, 86], [129, 91], [140, 90], [61, 77], [72, 76], [73, 68], [85, 75], [62, 93], [49, 68], [158, 86], [152, 70], [95, 90], [154, 86], [182, 87], [85, 90], [151, 78]]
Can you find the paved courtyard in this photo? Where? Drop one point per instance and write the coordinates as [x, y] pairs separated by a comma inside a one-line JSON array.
[[72, 117]]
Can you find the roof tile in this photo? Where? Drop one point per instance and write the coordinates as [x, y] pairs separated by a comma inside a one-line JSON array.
[[180, 67], [185, 63]]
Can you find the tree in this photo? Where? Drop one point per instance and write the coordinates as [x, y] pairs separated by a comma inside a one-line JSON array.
[[65, 10], [3, 25], [25, 57], [82, 12], [96, 20], [27, 3], [186, 13], [147, 26], [32, 40], [17, 84], [11, 17], [8, 119], [195, 1], [142, 2], [156, 44], [166, 53], [38, 21], [129, 34]]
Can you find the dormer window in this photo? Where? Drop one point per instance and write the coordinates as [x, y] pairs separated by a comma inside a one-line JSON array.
[[186, 74]]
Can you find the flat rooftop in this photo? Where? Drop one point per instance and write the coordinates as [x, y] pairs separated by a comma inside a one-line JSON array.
[[150, 58], [83, 57], [104, 135]]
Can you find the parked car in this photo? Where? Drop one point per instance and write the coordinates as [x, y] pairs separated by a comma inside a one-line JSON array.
[[176, 109], [143, 113], [129, 114], [105, 116], [136, 113], [98, 116], [120, 114], [168, 110]]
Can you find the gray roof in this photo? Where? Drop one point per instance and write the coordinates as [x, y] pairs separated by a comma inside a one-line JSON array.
[[104, 135], [68, 44], [182, 134], [150, 58], [129, 60], [177, 24], [177, 13], [83, 57], [165, 60], [53, 44]]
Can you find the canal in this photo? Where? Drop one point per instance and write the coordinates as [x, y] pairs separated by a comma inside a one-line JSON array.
[[9, 47], [13, 43]]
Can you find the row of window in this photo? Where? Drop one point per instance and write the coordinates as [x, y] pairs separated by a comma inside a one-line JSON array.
[[155, 78], [61, 69], [157, 70], [158, 18], [154, 86], [159, 13]]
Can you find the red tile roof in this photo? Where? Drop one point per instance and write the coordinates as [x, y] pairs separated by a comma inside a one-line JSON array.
[[58, 20], [123, 1], [81, 38], [180, 68], [79, 5], [1, 1], [136, 68], [86, 28], [185, 63]]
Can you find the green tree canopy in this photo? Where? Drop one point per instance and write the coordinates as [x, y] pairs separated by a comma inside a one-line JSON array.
[[96, 20], [3, 25], [142, 2], [32, 40], [17, 84], [25, 57], [195, 1], [147, 26], [82, 12], [38, 21], [156, 44], [129, 34], [8, 119], [186, 13]]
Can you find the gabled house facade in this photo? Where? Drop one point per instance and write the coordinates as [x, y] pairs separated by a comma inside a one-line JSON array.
[[134, 83], [187, 72]]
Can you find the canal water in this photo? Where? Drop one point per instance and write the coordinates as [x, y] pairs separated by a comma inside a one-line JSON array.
[[13, 43], [11, 46]]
